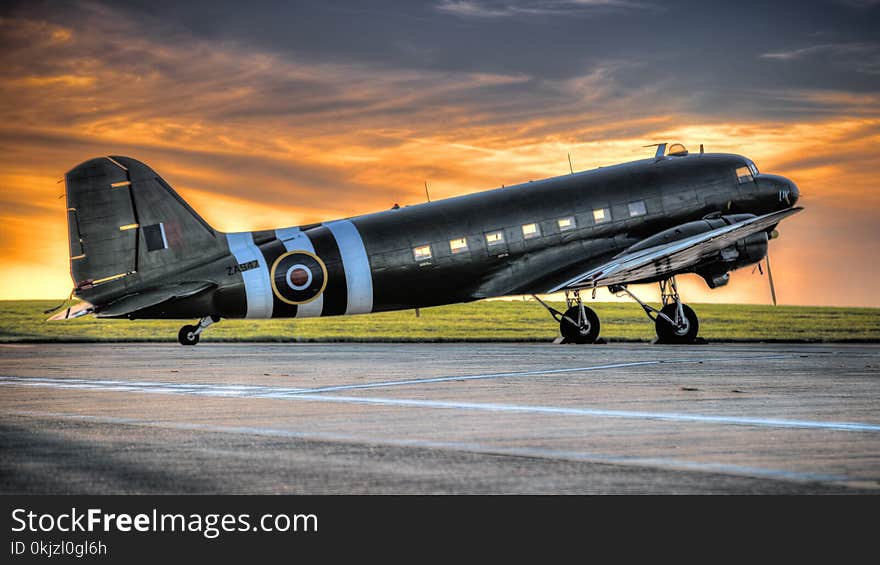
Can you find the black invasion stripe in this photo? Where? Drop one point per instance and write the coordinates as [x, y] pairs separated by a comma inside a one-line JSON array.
[[336, 293], [272, 251]]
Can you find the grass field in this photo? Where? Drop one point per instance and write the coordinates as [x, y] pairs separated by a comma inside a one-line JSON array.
[[23, 320]]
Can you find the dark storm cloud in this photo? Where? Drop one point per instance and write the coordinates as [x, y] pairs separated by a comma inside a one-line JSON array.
[[707, 54], [493, 9]]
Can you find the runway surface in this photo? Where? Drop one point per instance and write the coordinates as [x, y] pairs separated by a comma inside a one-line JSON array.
[[439, 418]]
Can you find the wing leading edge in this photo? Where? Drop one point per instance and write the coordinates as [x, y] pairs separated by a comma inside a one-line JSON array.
[[671, 257]]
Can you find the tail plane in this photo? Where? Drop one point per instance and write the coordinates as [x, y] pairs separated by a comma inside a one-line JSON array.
[[128, 228]]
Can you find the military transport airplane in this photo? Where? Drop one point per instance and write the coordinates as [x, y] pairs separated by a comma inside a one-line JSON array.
[[137, 249]]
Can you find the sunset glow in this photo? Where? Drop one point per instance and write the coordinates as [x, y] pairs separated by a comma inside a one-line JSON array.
[[256, 138]]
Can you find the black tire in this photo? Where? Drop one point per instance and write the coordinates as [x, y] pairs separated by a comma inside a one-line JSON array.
[[186, 337], [667, 333], [586, 332]]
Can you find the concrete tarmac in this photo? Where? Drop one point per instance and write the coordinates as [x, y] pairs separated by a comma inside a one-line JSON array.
[[439, 418]]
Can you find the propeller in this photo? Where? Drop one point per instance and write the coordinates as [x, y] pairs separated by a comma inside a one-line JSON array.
[[772, 235], [770, 279]]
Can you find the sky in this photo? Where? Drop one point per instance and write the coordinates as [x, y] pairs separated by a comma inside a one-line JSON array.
[[270, 114]]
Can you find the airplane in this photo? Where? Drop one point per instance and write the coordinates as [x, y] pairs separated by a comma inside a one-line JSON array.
[[139, 251]]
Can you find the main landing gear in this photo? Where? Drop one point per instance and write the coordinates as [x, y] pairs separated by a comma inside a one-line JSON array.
[[578, 324], [674, 322], [189, 335]]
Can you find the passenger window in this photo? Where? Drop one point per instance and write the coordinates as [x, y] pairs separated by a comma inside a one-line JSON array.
[[458, 245], [601, 215], [530, 231], [422, 253], [495, 238], [566, 224], [744, 175], [637, 208]]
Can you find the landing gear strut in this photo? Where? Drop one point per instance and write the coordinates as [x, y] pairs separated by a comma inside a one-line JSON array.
[[579, 324], [675, 322], [189, 335]]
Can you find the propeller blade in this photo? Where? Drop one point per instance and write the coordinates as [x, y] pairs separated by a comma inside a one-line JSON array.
[[770, 278]]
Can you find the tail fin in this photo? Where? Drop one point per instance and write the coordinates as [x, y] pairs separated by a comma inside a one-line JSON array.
[[125, 221]]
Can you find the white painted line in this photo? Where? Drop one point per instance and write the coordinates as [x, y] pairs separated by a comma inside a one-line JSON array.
[[383, 384], [587, 457], [280, 393], [600, 413], [536, 372], [429, 380], [153, 387]]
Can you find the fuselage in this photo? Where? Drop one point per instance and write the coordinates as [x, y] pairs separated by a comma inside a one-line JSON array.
[[513, 240]]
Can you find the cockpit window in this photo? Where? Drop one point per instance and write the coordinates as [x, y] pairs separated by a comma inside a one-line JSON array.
[[753, 168], [744, 175]]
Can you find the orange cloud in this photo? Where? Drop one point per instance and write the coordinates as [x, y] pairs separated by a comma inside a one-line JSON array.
[[253, 142]]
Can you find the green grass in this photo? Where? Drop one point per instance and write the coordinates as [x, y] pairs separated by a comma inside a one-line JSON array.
[[23, 320]]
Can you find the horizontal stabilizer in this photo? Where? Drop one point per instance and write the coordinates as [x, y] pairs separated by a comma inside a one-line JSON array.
[[134, 302], [79, 309]]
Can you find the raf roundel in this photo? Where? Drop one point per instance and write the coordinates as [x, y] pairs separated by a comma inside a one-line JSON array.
[[298, 277]]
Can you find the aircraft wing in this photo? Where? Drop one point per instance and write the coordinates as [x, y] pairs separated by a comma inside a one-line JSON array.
[[669, 258], [138, 301]]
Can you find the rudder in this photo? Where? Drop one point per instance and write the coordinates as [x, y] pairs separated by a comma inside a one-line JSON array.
[[100, 214]]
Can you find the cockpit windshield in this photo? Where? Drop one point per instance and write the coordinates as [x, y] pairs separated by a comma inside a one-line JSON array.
[[752, 167], [744, 175], [747, 172]]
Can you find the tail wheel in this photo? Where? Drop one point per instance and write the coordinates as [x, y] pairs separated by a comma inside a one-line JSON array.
[[187, 335], [685, 332], [586, 330]]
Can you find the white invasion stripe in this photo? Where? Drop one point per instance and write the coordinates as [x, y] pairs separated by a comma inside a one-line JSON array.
[[358, 276], [298, 394], [256, 281], [584, 456], [295, 240], [285, 234]]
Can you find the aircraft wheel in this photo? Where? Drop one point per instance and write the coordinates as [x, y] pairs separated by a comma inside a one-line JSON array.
[[186, 336], [687, 333], [586, 332]]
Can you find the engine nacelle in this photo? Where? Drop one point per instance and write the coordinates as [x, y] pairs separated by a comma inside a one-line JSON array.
[[687, 230], [749, 250], [746, 251], [715, 270]]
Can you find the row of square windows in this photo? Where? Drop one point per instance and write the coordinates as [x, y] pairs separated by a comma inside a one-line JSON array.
[[529, 231]]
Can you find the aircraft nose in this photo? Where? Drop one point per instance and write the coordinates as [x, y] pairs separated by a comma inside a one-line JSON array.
[[788, 191], [782, 189]]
